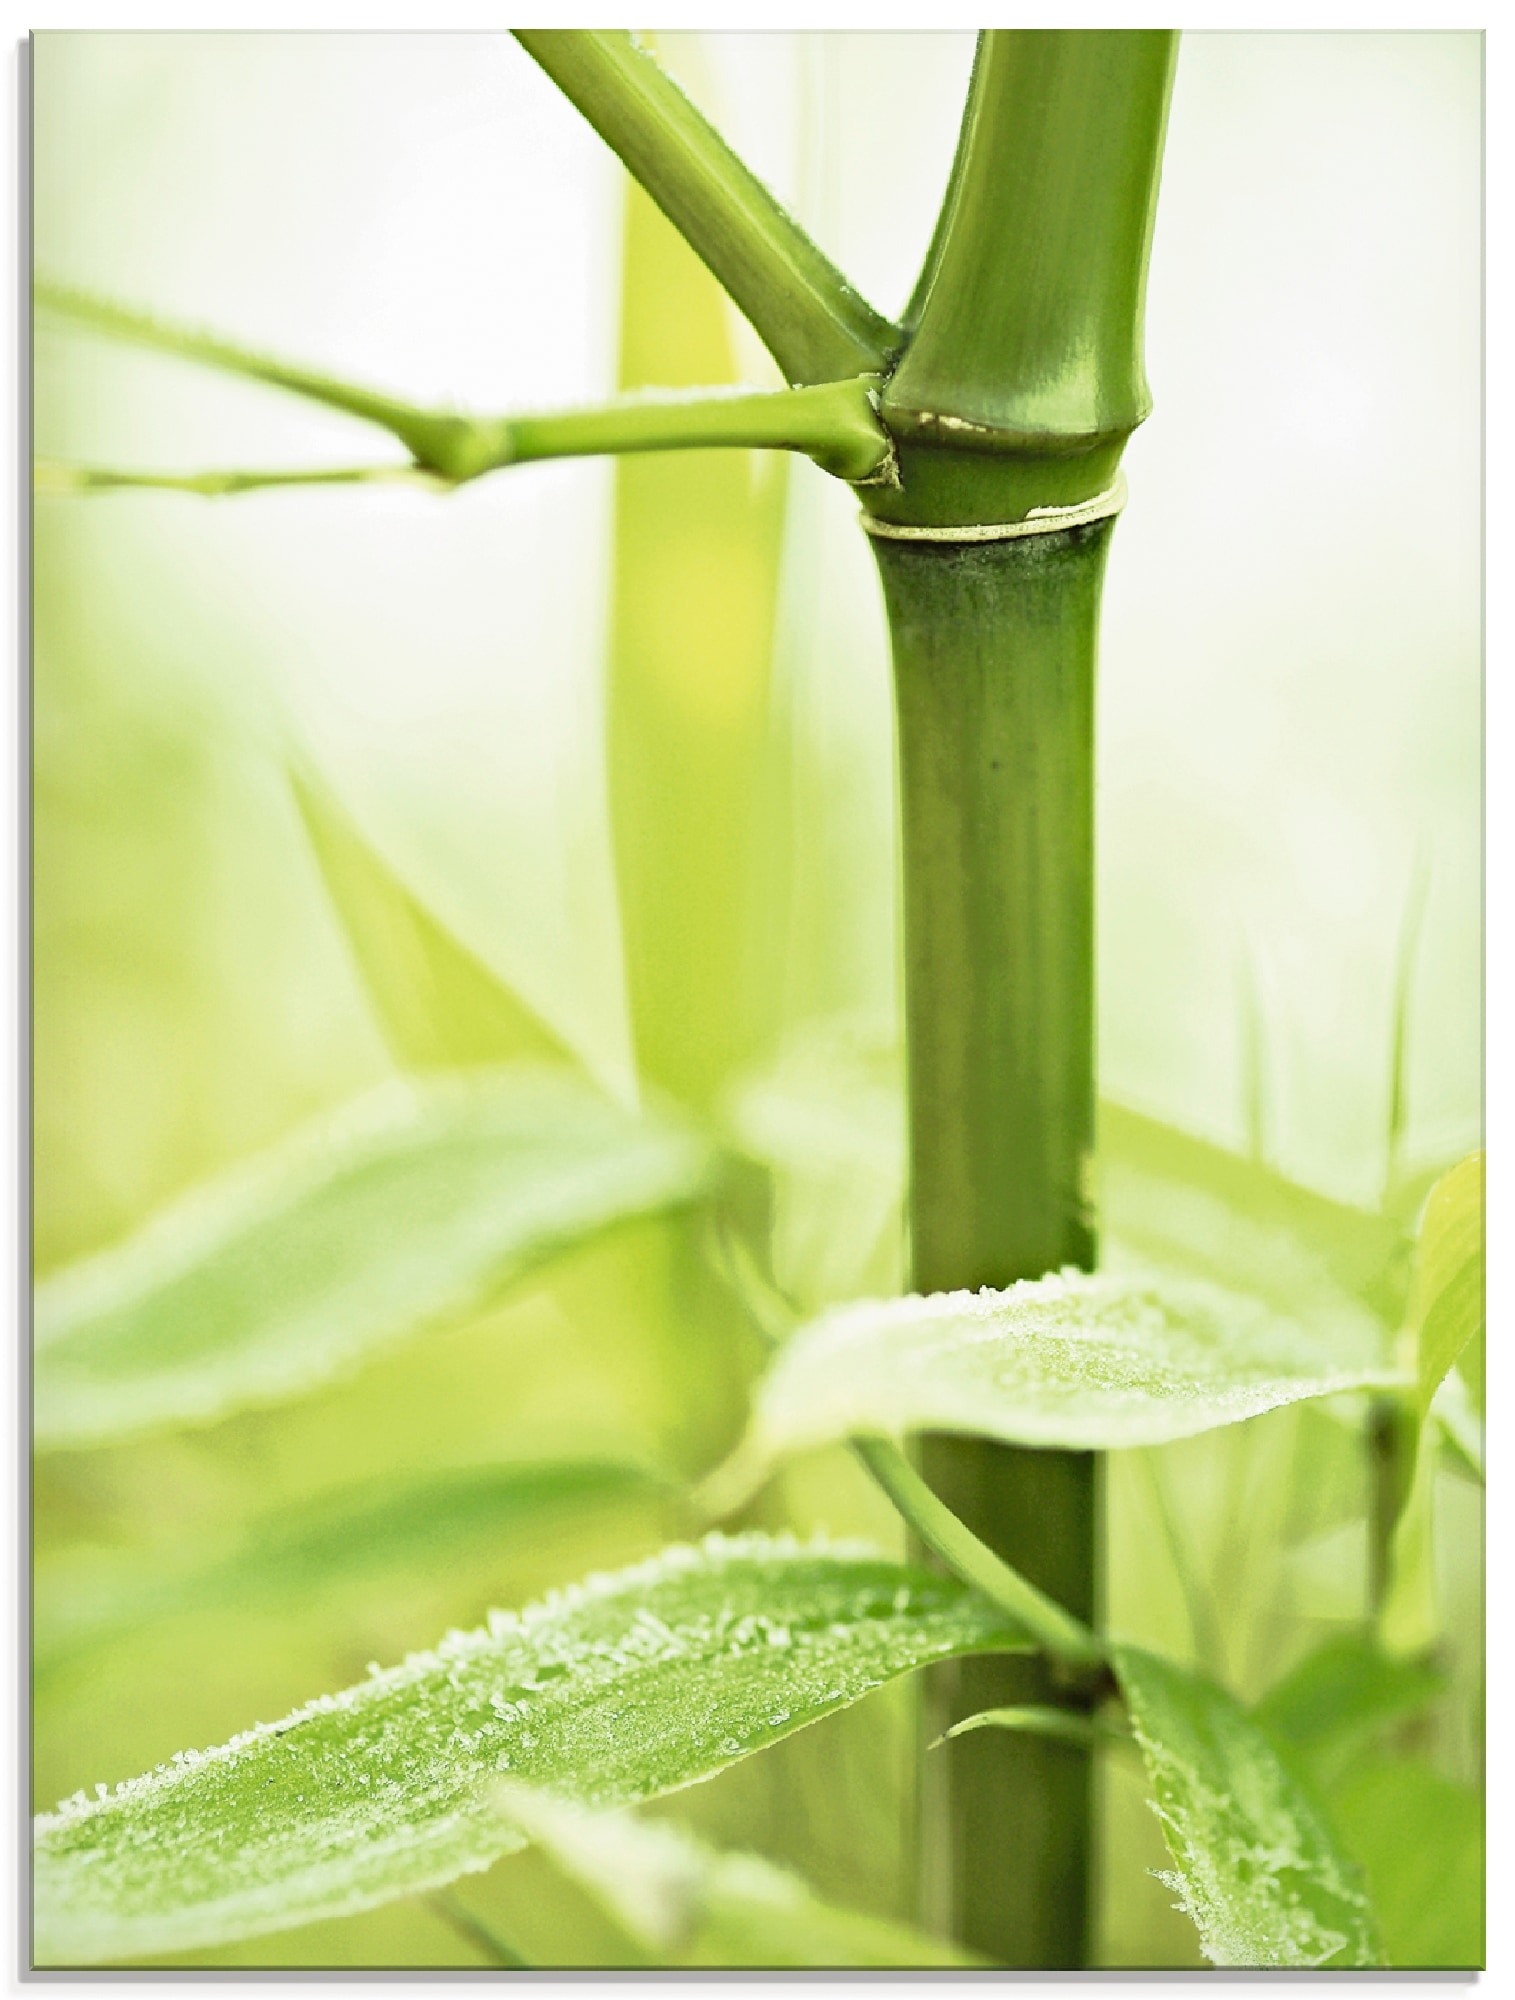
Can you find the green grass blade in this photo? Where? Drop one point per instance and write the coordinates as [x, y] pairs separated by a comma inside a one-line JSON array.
[[414, 1207], [682, 1903], [812, 321], [438, 1005], [1259, 1869], [621, 1689]]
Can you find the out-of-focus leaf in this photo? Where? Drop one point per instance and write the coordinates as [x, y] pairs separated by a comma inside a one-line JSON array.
[[383, 1531], [1407, 1619], [827, 1119], [689, 743], [1447, 1305], [1338, 1695], [1259, 1868], [1187, 1205], [615, 1691], [1419, 1839], [416, 1205], [1073, 1361], [438, 1005], [1164, 1197], [683, 1903]]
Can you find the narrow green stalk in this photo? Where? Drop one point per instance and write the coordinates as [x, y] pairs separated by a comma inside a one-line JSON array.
[[808, 316], [832, 422], [1395, 1481], [1065, 1638], [483, 1937], [52, 476], [1059, 1725], [440, 441], [835, 423], [1399, 1034]]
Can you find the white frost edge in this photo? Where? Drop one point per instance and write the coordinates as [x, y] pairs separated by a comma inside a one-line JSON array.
[[679, 1558]]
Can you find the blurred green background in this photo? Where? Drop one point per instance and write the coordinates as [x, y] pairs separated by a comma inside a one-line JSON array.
[[528, 695]]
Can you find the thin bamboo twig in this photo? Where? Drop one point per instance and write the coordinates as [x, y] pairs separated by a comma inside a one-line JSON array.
[[835, 422]]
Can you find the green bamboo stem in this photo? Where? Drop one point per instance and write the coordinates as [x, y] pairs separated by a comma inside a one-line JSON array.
[[811, 320], [994, 679], [1019, 386]]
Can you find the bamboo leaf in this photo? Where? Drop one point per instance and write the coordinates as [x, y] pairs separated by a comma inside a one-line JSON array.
[[386, 1531], [615, 1691], [683, 1903], [1447, 1306], [417, 1205], [1076, 1362], [1163, 1197], [438, 1004], [1259, 1870], [1173, 1200], [1333, 1699], [1419, 1838]]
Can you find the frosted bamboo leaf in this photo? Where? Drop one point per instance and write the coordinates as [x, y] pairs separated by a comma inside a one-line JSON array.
[[625, 1687], [1258, 1868], [1071, 1361], [415, 1206], [683, 1903]]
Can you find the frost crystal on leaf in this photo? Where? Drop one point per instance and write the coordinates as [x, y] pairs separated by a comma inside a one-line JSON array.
[[614, 1690], [1259, 1872]]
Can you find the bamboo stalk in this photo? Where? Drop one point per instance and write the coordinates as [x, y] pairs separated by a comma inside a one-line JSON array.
[[1010, 407], [994, 679]]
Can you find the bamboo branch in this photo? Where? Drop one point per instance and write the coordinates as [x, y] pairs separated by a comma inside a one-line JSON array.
[[808, 316], [453, 445], [1055, 1630], [55, 477], [835, 423]]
